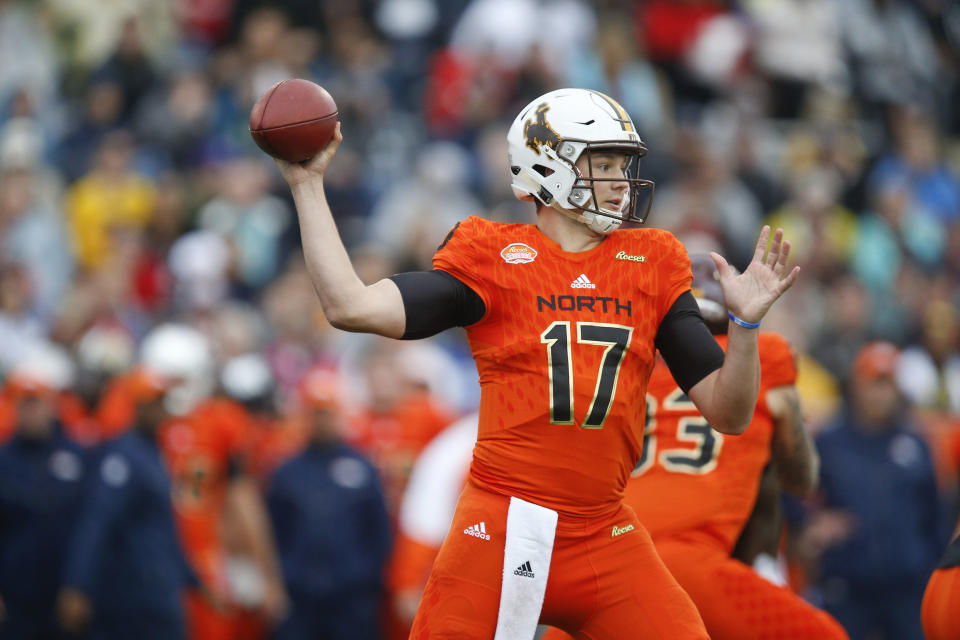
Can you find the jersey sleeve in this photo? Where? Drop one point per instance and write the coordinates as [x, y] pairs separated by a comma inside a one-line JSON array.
[[778, 366], [117, 409], [230, 429], [457, 256], [675, 274]]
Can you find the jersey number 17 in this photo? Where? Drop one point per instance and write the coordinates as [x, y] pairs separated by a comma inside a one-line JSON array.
[[614, 338]]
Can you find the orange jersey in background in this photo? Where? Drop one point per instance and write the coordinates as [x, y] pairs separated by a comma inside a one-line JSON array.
[[272, 442], [80, 422], [199, 449], [118, 407], [564, 353], [692, 480], [393, 439], [8, 416]]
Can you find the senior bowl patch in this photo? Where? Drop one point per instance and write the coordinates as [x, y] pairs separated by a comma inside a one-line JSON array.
[[518, 253]]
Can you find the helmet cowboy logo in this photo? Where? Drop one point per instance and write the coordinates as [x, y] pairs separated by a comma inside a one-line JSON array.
[[540, 132]]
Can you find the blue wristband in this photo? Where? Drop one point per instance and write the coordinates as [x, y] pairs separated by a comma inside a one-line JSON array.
[[743, 323]]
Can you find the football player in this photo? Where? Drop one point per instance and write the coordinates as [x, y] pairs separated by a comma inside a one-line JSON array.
[[205, 446], [694, 490], [563, 318]]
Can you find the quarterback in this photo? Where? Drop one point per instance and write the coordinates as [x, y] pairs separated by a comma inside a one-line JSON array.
[[563, 318]]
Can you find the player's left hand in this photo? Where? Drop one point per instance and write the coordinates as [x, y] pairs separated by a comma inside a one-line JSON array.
[[750, 294]]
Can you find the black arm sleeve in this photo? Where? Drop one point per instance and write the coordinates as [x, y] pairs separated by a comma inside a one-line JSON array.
[[435, 301], [686, 344]]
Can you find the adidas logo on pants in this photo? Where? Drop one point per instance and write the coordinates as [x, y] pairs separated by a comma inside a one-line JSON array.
[[478, 530]]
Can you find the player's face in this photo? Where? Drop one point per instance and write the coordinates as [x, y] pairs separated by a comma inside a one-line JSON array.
[[877, 400], [36, 414], [609, 171], [324, 425]]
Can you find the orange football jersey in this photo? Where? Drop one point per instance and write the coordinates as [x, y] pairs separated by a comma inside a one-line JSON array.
[[564, 352], [198, 448], [694, 480], [118, 407], [82, 423], [393, 439], [272, 442]]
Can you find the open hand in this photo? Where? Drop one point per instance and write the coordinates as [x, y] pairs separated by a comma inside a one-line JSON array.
[[750, 294], [300, 172]]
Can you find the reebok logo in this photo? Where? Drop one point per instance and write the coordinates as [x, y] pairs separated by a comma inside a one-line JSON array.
[[524, 570], [478, 531], [582, 282], [619, 531], [623, 255]]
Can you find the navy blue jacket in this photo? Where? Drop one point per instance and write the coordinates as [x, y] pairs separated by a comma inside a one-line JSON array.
[[886, 482], [331, 524], [41, 484], [126, 554]]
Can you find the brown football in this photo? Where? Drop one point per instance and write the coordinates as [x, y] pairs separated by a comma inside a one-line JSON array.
[[293, 120]]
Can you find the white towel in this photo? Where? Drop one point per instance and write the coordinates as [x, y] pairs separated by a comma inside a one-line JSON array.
[[526, 565]]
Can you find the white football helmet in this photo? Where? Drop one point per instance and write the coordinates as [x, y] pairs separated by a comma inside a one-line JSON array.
[[550, 135], [43, 365], [248, 379], [182, 356]]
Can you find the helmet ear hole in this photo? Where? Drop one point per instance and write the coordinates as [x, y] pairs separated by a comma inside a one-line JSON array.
[[542, 170], [568, 151]]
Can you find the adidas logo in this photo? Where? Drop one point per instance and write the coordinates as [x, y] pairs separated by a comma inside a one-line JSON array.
[[478, 531], [619, 531], [524, 570], [582, 282]]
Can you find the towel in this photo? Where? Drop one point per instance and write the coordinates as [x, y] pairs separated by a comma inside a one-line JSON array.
[[526, 565]]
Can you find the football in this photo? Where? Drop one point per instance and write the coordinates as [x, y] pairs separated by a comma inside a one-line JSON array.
[[293, 120]]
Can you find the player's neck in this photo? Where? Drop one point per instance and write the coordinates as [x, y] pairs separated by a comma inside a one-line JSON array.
[[571, 235]]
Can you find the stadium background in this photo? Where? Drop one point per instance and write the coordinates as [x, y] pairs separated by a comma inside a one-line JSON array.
[[131, 193]]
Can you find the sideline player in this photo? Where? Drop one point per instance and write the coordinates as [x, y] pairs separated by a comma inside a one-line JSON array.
[[204, 446], [694, 490], [563, 318]]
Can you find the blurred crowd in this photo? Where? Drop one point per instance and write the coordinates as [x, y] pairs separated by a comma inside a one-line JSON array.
[[133, 204]]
